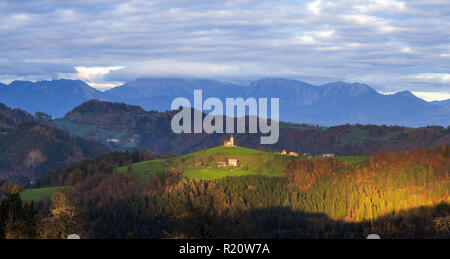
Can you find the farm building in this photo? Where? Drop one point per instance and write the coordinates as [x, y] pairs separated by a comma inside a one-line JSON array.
[[233, 162], [282, 152], [198, 164], [221, 164], [113, 140]]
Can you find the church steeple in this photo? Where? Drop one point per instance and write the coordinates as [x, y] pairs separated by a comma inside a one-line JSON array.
[[229, 143]]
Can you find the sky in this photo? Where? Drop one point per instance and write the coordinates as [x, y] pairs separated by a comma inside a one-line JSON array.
[[390, 45]]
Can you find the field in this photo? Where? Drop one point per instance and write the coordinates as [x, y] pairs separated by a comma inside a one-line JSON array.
[[354, 136], [203, 164], [41, 193], [147, 168], [216, 173], [73, 128]]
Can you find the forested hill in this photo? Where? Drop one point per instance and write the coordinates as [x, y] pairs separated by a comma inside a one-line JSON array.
[[31, 145], [10, 118], [130, 127], [396, 195]]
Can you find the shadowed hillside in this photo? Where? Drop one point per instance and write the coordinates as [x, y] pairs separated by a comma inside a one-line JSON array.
[[30, 146]]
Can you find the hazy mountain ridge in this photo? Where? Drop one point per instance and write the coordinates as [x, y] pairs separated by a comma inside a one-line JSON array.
[[330, 104], [55, 97], [444, 103]]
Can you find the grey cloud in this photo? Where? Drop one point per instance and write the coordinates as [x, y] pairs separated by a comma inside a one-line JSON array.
[[46, 69], [384, 43]]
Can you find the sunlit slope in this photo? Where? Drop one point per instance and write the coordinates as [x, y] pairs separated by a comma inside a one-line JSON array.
[[39, 194], [203, 164]]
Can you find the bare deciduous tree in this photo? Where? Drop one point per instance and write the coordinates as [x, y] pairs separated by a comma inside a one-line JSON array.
[[64, 219]]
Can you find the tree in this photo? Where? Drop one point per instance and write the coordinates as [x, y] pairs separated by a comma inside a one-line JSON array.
[[18, 221], [64, 218]]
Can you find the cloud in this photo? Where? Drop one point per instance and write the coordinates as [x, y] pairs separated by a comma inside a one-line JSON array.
[[306, 39], [433, 96], [179, 68], [33, 68], [314, 7], [382, 6], [94, 73], [434, 77], [94, 76], [391, 45]]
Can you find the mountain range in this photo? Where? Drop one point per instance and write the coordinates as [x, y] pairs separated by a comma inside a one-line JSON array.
[[327, 105]]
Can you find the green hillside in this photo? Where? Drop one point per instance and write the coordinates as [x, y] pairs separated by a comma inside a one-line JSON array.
[[203, 164], [38, 194]]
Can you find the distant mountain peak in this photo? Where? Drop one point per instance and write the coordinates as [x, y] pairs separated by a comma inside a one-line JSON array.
[[278, 79], [345, 84], [443, 103], [405, 94], [19, 83], [53, 82], [353, 89], [280, 82]]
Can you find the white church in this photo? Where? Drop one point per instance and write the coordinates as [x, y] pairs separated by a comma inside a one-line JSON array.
[[229, 143]]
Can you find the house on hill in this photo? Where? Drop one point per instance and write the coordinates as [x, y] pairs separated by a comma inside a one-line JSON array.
[[113, 140], [44, 116], [233, 162], [327, 155], [282, 152], [198, 164], [307, 155], [293, 153], [229, 143], [221, 164]]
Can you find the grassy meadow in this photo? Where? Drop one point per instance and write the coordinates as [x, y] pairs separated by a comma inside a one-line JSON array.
[[203, 164], [39, 194]]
